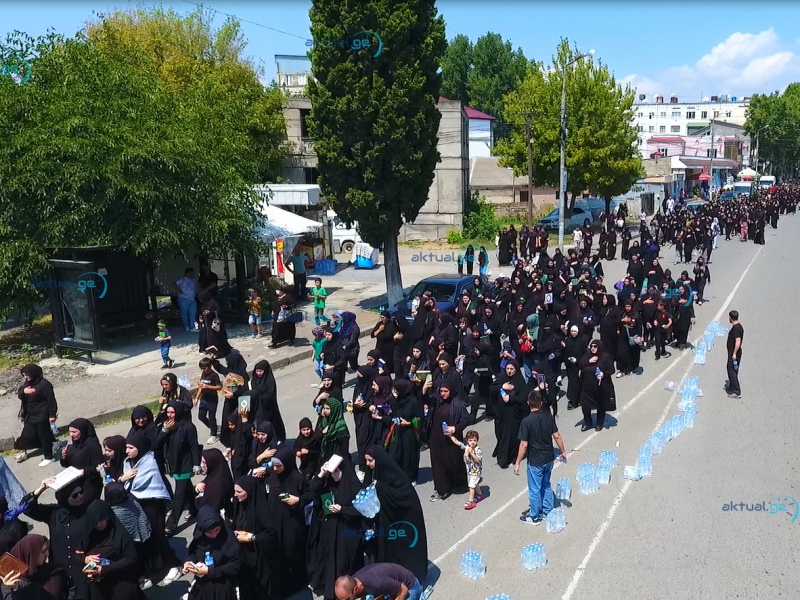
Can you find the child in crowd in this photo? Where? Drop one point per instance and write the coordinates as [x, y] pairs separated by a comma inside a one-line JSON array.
[[307, 448], [506, 354], [473, 459], [318, 343], [165, 340], [318, 294], [254, 309], [208, 388]]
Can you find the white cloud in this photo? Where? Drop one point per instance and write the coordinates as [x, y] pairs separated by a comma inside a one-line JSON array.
[[742, 65]]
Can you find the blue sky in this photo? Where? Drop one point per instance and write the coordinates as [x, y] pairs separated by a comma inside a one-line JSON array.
[[711, 48]]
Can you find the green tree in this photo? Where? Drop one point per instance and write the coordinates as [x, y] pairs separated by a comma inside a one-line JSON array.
[[374, 120], [100, 150], [497, 69], [775, 120], [600, 155], [456, 65]]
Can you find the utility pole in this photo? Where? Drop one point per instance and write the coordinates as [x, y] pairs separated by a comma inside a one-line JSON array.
[[711, 165], [529, 142], [562, 204]]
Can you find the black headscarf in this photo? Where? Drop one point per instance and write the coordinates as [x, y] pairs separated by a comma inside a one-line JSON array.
[[87, 431], [114, 535], [114, 465], [219, 482], [223, 548], [34, 371], [287, 458], [251, 514], [150, 429]]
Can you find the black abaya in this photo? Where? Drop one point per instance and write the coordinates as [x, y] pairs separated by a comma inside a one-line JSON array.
[[447, 459]]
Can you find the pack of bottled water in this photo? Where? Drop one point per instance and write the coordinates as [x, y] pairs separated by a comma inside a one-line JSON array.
[[632, 473], [670, 386], [589, 483], [708, 339], [645, 466], [603, 474], [718, 329], [665, 431], [499, 597], [691, 383], [700, 354], [690, 415], [473, 565], [563, 488], [656, 443], [586, 469], [533, 556], [687, 398], [608, 458], [677, 425], [556, 520], [367, 503]]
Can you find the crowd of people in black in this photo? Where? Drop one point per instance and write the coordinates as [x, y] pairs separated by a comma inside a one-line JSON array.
[[274, 516]]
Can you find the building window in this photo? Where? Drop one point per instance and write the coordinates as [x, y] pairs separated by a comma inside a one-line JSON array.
[[690, 115], [704, 114], [728, 113], [676, 113], [662, 129], [651, 129], [716, 114], [664, 114], [312, 175], [639, 141], [651, 115], [641, 127], [305, 113], [663, 151], [675, 129]]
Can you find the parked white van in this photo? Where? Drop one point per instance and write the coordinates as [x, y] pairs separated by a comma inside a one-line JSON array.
[[344, 238]]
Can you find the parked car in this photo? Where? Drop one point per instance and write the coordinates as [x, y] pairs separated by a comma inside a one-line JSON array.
[[695, 205], [579, 216], [445, 288]]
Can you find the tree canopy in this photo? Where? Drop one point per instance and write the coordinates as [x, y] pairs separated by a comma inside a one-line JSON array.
[[481, 75], [374, 120], [601, 155], [775, 120], [102, 148]]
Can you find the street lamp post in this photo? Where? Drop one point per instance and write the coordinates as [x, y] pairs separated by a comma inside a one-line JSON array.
[[563, 166], [758, 142]]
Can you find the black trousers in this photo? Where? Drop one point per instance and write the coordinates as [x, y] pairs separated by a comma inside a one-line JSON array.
[[36, 435], [184, 498], [587, 413], [300, 281], [660, 335], [733, 375], [352, 359]]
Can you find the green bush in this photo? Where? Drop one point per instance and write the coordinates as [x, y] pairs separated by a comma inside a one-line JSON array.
[[454, 237], [480, 222]]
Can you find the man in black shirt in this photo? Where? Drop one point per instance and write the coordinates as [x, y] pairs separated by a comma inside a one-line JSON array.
[[735, 338], [377, 580], [536, 435]]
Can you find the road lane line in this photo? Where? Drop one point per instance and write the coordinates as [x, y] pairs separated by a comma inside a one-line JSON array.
[[590, 437], [627, 485]]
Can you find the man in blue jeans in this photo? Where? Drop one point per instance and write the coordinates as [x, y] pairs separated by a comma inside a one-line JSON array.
[[536, 435], [379, 580]]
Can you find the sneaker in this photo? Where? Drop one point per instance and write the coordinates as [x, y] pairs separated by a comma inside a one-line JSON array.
[[480, 498], [527, 519], [436, 496], [212, 440], [165, 366], [145, 584], [189, 329], [171, 363], [470, 504], [734, 395], [22, 456], [174, 573], [47, 461], [619, 374]]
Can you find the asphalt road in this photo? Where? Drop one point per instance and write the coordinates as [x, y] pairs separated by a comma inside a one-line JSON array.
[[663, 537]]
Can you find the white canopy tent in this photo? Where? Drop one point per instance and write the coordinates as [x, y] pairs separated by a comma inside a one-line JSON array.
[[290, 228], [747, 173]]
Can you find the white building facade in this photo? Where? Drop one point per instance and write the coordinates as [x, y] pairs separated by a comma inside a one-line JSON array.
[[661, 116]]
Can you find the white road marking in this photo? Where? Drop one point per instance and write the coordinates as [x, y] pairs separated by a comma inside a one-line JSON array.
[[626, 486], [589, 438]]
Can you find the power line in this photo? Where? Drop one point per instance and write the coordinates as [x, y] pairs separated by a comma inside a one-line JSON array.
[[304, 38]]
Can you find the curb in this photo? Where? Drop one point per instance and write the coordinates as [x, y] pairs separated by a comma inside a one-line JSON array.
[[112, 415]]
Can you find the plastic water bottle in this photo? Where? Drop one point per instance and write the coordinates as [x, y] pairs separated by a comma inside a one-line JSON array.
[[556, 520], [444, 426], [632, 473], [598, 373], [700, 354], [499, 597], [563, 488], [267, 464], [534, 556], [608, 458], [670, 386], [209, 560], [603, 474], [645, 451], [656, 443], [54, 429], [585, 469], [645, 466], [589, 483], [689, 416], [472, 565]]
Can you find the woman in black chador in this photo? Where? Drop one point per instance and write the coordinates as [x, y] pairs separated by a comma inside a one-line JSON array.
[[596, 390], [212, 536], [212, 328], [510, 393], [108, 539], [629, 352], [400, 507], [402, 440], [450, 418]]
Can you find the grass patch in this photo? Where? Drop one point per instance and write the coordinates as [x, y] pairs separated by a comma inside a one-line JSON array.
[[411, 244]]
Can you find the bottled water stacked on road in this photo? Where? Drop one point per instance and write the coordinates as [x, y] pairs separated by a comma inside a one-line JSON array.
[[556, 520], [499, 597], [700, 354], [587, 479], [632, 473], [645, 463], [609, 458], [656, 443], [533, 556], [473, 565], [563, 488], [367, 503]]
